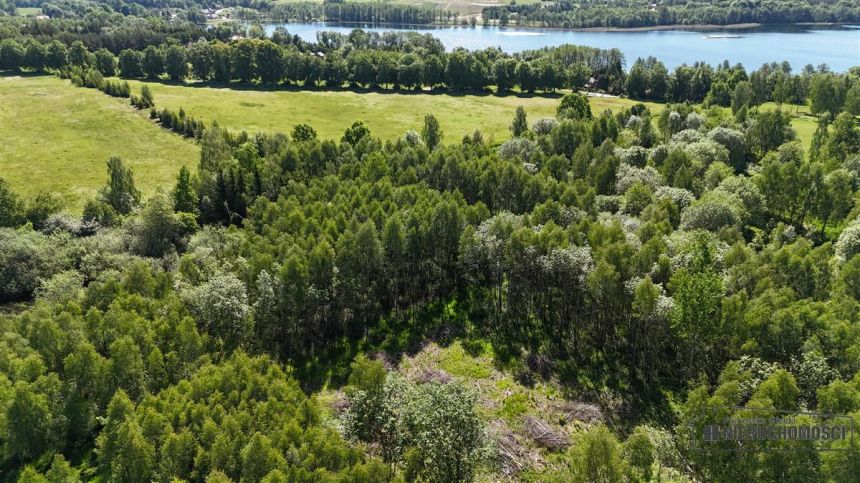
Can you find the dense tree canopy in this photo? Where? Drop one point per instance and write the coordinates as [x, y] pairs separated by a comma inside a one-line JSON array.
[[665, 252], [247, 324], [625, 13]]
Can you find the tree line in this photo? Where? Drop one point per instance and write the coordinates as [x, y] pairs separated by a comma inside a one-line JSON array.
[[564, 14], [626, 14], [360, 12], [417, 62], [100, 25], [264, 61]]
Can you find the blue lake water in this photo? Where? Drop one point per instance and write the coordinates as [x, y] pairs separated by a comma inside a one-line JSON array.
[[838, 47]]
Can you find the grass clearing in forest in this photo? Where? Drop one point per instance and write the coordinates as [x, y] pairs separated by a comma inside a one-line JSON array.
[[388, 114], [55, 137], [802, 120], [805, 127], [503, 403]]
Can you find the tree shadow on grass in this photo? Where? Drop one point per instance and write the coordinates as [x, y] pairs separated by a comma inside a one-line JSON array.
[[624, 396], [21, 73], [255, 87], [396, 336]]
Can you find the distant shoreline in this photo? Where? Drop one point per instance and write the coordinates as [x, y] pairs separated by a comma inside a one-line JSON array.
[[735, 26], [696, 27], [514, 26]]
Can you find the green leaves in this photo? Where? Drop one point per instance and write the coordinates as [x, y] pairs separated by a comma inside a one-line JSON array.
[[574, 105], [431, 429], [120, 192]]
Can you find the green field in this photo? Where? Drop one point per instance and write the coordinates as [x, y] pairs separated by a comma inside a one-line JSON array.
[[63, 148], [803, 122], [805, 127], [55, 137], [388, 114]]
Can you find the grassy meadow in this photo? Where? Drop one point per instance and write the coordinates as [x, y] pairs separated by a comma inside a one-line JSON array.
[[55, 137], [803, 122], [388, 114]]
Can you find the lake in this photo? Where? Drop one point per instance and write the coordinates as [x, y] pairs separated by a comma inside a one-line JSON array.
[[837, 46]]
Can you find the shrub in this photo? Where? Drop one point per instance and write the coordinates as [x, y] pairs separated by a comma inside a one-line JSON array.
[[681, 197], [596, 456], [544, 126], [707, 152], [687, 136], [413, 138], [747, 191], [629, 175], [522, 148], [26, 257], [574, 105], [432, 427], [440, 422], [639, 452], [736, 144], [695, 121], [100, 213], [716, 173], [610, 204], [62, 287], [158, 229], [714, 211], [11, 207], [848, 243], [637, 197], [220, 305], [634, 155]]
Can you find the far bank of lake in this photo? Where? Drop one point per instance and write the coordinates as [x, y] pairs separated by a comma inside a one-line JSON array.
[[836, 46]]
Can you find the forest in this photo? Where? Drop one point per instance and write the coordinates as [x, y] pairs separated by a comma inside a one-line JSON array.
[[601, 286], [628, 14], [559, 14], [414, 62], [359, 12]]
